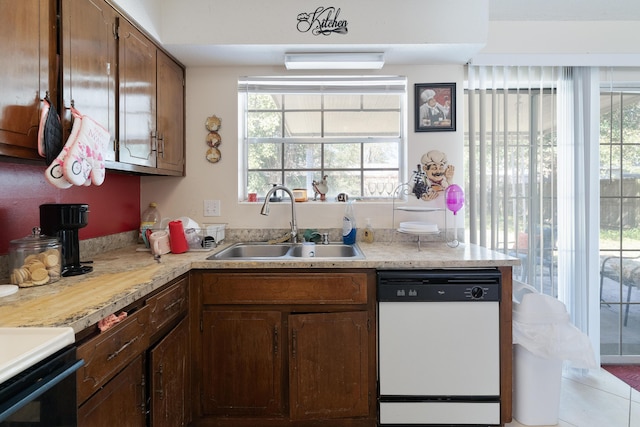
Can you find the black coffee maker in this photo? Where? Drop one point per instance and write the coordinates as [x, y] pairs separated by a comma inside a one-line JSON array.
[[64, 221]]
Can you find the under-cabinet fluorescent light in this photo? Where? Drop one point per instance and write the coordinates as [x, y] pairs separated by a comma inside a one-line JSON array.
[[334, 61]]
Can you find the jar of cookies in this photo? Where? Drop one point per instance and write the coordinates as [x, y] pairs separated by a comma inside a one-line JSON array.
[[35, 260]]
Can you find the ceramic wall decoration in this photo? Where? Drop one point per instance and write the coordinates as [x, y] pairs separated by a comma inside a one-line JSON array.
[[214, 139], [432, 175]]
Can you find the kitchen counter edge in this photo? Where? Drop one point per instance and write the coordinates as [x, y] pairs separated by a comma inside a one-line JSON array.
[[123, 276]]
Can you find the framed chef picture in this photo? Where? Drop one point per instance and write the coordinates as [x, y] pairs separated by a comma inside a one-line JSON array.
[[435, 107]]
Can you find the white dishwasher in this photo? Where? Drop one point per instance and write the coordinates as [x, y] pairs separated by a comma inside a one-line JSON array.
[[439, 347]]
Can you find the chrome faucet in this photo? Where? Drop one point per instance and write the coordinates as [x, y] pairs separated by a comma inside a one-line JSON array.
[[265, 209]]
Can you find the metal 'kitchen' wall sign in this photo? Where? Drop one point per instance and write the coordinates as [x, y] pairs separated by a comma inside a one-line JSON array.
[[322, 21]]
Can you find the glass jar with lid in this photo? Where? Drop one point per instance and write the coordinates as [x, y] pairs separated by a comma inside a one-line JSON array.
[[35, 260]]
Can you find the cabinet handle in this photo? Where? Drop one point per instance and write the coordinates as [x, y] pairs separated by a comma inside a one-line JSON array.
[[161, 144], [275, 339], [142, 404], [160, 390], [294, 343], [121, 349], [154, 141]]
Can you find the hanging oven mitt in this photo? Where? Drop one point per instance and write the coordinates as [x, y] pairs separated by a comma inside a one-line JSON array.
[[85, 159], [49, 132], [55, 172]]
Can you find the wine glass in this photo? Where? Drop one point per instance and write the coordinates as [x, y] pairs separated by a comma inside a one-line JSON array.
[[388, 188], [372, 188], [380, 187]]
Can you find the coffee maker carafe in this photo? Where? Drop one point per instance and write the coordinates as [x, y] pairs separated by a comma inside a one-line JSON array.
[[64, 221]]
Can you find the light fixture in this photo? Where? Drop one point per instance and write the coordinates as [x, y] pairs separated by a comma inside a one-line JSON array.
[[334, 61]]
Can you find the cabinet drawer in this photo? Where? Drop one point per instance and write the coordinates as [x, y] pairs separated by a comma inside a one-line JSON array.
[[285, 288], [105, 355], [167, 305]]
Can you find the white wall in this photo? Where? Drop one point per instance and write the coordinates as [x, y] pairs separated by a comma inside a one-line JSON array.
[[569, 43], [214, 91], [145, 12], [247, 22]]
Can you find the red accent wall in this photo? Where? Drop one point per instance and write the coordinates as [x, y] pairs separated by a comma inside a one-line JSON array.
[[114, 207]]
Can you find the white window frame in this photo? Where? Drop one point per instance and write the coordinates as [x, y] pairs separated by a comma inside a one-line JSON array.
[[322, 85]]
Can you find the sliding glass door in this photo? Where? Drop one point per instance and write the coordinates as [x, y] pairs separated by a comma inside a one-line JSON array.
[[620, 224]]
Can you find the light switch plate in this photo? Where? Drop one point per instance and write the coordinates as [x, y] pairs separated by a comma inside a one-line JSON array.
[[212, 208]]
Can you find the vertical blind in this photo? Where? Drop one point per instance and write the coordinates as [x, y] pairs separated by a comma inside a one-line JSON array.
[[511, 140], [533, 178]]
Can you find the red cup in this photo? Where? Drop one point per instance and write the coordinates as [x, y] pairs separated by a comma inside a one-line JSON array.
[[253, 197], [177, 238]]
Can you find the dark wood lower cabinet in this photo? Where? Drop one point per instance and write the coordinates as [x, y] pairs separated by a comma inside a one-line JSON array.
[[138, 372], [169, 385], [120, 402], [243, 369], [298, 354], [329, 365]]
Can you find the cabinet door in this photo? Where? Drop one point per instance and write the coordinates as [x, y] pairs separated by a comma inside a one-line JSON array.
[[119, 403], [169, 382], [242, 363], [28, 71], [170, 114], [107, 353], [89, 58], [329, 365], [137, 85]]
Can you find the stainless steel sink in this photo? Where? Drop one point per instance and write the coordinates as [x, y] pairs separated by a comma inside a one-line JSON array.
[[252, 250], [336, 250], [261, 251]]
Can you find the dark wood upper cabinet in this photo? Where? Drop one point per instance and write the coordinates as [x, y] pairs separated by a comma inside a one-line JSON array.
[[137, 83], [170, 120], [89, 63], [28, 69], [87, 54]]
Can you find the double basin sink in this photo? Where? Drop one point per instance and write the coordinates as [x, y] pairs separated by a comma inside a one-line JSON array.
[[262, 251]]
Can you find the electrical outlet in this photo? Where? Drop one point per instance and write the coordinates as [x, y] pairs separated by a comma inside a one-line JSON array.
[[212, 208]]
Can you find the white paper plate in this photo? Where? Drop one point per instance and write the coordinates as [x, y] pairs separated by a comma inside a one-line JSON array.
[[6, 290], [422, 233], [419, 226], [417, 209]]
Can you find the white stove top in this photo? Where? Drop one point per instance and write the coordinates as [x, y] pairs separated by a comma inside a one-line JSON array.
[[21, 348]]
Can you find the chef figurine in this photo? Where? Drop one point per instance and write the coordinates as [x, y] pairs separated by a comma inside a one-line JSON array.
[[439, 173]]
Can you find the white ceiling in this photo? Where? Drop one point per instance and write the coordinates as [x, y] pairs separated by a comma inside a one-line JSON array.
[[564, 10], [499, 10]]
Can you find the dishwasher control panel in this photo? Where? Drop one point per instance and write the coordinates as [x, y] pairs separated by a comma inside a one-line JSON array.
[[439, 285]]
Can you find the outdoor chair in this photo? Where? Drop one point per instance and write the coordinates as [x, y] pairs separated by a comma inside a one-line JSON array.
[[544, 257], [610, 267]]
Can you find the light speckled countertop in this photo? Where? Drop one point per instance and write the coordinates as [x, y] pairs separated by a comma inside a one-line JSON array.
[[122, 276]]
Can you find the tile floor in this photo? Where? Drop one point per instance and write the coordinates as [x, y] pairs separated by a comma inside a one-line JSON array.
[[595, 399]]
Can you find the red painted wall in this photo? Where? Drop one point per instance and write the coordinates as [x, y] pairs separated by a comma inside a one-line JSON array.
[[114, 207]]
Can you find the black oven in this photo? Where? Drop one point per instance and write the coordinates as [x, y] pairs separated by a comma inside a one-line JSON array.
[[43, 395]]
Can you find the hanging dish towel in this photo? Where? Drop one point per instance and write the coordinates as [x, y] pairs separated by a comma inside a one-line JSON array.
[[81, 161]]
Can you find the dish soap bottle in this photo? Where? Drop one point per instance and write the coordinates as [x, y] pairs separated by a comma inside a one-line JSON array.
[[349, 225], [367, 235], [148, 220]]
